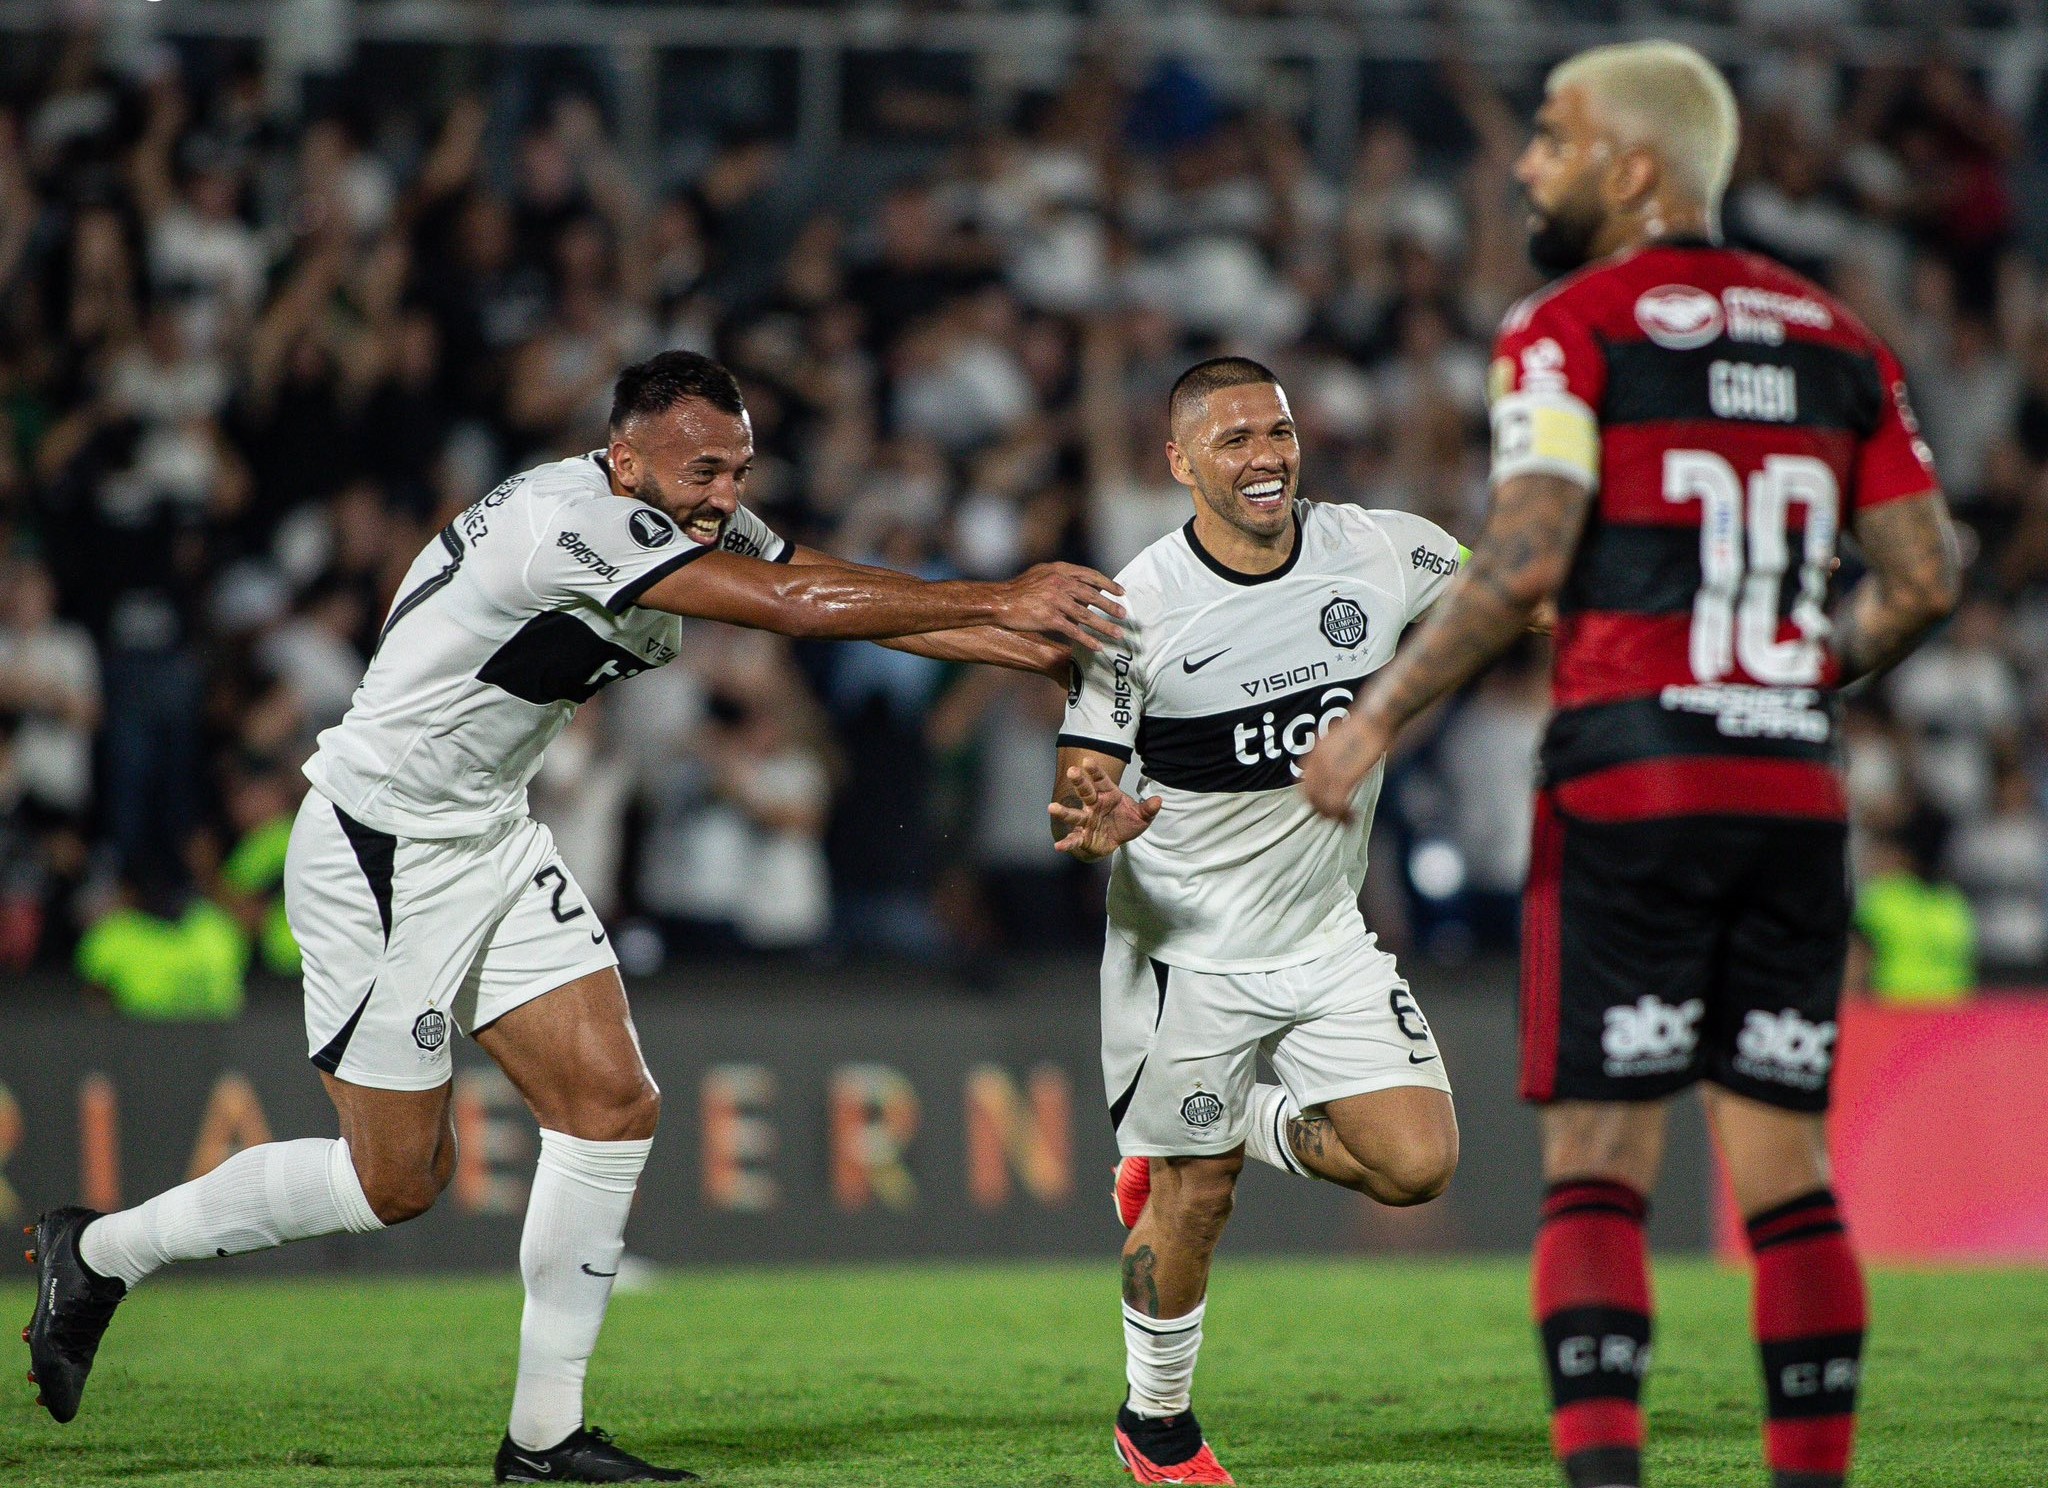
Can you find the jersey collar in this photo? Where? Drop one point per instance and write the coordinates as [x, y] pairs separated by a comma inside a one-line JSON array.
[[1224, 571]]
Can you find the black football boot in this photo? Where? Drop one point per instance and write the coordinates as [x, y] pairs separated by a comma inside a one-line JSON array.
[[73, 1307], [585, 1455]]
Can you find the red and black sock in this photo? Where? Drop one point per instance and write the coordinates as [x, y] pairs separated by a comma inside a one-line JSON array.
[[1591, 1287], [1810, 1316]]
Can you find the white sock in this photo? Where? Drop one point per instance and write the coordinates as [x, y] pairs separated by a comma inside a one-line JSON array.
[[568, 1254], [261, 1197], [1272, 1109], [1159, 1359]]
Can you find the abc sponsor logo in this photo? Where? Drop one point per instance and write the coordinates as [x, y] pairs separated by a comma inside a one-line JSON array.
[[1650, 1036], [1785, 1049]]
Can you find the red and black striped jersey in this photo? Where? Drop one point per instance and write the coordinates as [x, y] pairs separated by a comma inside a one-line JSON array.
[[1732, 417]]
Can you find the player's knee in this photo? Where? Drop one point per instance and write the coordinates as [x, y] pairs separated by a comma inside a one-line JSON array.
[[1202, 1195], [1415, 1170], [628, 1112], [401, 1191]]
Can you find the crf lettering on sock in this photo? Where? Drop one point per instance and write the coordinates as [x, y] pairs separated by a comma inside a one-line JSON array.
[[1591, 1290]]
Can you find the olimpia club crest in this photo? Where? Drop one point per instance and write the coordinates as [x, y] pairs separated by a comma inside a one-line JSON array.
[[1343, 623], [1201, 1109], [430, 1029]]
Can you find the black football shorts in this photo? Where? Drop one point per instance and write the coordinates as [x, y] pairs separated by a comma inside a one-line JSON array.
[[1658, 953]]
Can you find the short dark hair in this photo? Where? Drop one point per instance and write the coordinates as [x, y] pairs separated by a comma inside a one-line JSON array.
[[1204, 378], [665, 379]]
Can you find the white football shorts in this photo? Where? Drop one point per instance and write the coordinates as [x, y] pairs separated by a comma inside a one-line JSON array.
[[407, 939], [1180, 1048]]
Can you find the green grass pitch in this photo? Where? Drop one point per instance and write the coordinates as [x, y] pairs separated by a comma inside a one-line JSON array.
[[1314, 1375]]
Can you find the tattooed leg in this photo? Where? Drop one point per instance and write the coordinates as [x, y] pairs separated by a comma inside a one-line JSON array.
[[1166, 1259]]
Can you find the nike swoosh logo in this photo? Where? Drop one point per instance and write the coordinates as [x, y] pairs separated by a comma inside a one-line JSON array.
[[596, 937], [1420, 1058], [1191, 666], [527, 1464], [588, 1272]]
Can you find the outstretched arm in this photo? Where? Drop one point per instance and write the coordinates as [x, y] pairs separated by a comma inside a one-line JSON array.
[[1091, 815], [1912, 585], [838, 602], [1519, 563], [990, 645]]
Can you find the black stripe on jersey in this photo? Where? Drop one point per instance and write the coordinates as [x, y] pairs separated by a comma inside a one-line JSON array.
[[452, 541], [1122, 1104], [1644, 570], [1647, 383], [631, 593], [556, 658], [1246, 749], [329, 1057], [377, 852], [1582, 740], [1100, 746]]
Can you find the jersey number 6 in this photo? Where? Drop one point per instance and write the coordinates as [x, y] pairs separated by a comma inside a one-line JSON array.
[[1735, 614]]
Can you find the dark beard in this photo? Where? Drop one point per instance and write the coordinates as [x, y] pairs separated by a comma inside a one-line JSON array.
[[1562, 241]]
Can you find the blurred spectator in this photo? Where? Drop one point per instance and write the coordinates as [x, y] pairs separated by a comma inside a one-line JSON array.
[[1488, 759], [23, 875], [165, 953], [261, 808], [1007, 724], [2000, 861], [1960, 699], [259, 341], [50, 684], [1917, 937]]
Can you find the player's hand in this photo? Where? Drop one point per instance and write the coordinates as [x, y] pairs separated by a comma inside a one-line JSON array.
[[1105, 819], [1062, 599], [1341, 760]]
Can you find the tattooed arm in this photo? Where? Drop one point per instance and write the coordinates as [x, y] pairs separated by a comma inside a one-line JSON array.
[[1520, 561], [1912, 585]]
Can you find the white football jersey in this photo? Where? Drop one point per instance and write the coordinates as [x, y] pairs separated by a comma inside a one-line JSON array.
[[523, 608], [1223, 682]]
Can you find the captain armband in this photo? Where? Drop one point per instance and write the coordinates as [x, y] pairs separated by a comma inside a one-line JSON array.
[[1545, 432]]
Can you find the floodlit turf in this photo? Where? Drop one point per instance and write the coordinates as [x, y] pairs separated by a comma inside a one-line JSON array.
[[1323, 1374]]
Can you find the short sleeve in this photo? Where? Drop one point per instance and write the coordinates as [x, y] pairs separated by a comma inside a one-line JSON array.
[[1547, 377], [1107, 697], [1894, 461], [606, 553], [1428, 557], [750, 537]]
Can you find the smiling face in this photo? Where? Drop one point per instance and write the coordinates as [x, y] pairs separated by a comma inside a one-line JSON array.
[[690, 460], [1237, 450]]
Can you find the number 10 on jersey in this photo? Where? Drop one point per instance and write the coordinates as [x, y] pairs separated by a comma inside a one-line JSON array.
[[1743, 559]]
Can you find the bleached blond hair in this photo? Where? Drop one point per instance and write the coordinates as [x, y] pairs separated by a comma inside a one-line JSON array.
[[1666, 97]]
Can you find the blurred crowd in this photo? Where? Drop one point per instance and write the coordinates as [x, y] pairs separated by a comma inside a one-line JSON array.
[[256, 347]]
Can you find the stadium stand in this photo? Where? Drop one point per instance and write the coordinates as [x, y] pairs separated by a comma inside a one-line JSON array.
[[261, 333]]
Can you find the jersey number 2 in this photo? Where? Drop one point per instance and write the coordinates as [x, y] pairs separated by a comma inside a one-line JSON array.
[[1735, 614]]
